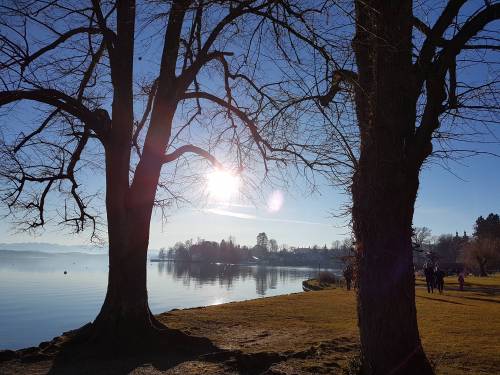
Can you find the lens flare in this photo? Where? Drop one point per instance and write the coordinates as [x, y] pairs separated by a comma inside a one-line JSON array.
[[275, 201]]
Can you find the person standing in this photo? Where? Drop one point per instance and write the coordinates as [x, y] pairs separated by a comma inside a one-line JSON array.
[[461, 281], [348, 274]]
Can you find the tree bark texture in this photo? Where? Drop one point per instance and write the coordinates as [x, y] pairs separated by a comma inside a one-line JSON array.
[[384, 190]]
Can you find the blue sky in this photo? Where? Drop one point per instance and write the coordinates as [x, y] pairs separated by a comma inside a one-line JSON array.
[[446, 202]]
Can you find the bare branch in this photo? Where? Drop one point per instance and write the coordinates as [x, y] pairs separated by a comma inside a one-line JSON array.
[[109, 36], [94, 119], [64, 37], [192, 149], [338, 77]]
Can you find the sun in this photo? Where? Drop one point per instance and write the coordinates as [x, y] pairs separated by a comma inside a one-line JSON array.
[[223, 185]]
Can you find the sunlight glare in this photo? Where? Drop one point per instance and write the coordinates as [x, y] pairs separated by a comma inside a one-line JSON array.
[[217, 301], [223, 185]]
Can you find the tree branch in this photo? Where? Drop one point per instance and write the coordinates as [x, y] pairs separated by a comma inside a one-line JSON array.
[[468, 31], [191, 149], [109, 35], [435, 35], [338, 77], [64, 37], [436, 75], [96, 120]]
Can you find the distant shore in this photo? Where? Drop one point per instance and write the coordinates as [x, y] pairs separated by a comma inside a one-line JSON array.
[[327, 266]]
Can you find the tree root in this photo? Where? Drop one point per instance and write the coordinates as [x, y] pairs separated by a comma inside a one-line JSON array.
[[93, 341]]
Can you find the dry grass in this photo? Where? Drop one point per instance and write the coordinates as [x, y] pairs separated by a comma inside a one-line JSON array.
[[460, 330], [490, 283]]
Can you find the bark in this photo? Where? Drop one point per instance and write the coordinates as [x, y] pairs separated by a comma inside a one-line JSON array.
[[124, 321], [384, 190], [125, 316]]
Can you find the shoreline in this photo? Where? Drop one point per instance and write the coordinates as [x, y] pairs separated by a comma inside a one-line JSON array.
[[319, 335], [326, 267]]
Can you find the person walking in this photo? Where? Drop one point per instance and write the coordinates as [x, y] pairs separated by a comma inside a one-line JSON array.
[[439, 275], [429, 277]]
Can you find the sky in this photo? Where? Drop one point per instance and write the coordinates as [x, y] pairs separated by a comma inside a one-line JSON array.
[[447, 202]]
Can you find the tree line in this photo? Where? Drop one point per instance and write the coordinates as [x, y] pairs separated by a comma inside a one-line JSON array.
[[479, 253], [225, 275], [265, 251]]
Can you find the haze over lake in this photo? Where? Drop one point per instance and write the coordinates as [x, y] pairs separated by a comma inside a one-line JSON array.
[[39, 301]]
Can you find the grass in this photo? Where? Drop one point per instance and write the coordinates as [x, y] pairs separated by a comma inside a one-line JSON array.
[[486, 284], [460, 330]]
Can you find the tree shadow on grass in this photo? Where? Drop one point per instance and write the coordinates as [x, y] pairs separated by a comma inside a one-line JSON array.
[[442, 300], [483, 299]]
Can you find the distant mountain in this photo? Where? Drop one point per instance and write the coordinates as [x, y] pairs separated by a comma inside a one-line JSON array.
[[53, 248]]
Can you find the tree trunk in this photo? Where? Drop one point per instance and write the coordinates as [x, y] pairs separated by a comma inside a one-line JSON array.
[[387, 317], [125, 314], [125, 321], [125, 324], [384, 189]]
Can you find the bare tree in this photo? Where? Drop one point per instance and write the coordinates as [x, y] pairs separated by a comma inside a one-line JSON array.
[[479, 253], [407, 78], [421, 236], [423, 79], [205, 77]]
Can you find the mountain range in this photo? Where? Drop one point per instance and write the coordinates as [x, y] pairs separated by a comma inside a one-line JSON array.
[[53, 248]]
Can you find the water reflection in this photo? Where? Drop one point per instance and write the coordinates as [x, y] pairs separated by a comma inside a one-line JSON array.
[[225, 275], [39, 301]]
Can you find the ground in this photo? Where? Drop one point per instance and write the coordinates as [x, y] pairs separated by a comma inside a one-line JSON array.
[[313, 333]]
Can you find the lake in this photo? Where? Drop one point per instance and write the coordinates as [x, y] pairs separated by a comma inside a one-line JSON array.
[[38, 301]]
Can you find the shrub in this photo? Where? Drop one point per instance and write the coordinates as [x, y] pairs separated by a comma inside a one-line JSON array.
[[326, 277]]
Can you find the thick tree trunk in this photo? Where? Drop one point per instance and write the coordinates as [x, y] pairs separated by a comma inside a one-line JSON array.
[[125, 324], [125, 316], [384, 189], [125, 321], [386, 296]]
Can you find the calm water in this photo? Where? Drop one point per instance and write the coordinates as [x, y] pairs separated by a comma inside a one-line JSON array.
[[38, 302]]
